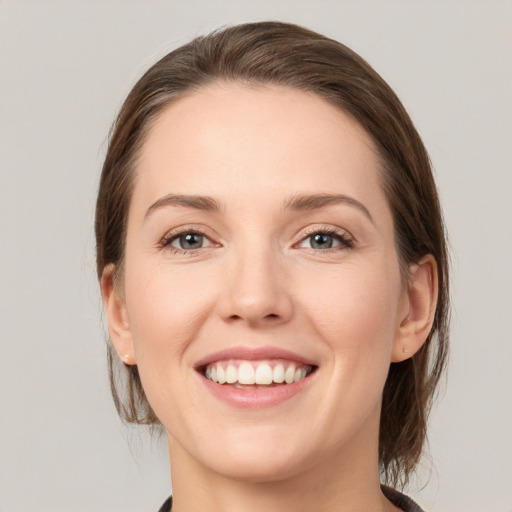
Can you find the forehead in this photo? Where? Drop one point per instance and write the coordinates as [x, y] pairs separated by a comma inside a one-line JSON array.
[[257, 139]]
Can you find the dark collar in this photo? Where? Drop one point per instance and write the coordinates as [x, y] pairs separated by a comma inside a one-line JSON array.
[[397, 498]]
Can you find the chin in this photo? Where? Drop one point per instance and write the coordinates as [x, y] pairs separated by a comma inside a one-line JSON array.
[[259, 456], [259, 469]]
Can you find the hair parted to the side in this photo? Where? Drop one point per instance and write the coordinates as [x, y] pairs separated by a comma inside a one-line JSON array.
[[289, 55]]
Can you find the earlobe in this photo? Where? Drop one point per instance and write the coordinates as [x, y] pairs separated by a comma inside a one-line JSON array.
[[117, 318], [421, 298]]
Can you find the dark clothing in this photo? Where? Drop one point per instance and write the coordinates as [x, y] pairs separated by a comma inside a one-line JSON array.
[[400, 500], [166, 507], [397, 498]]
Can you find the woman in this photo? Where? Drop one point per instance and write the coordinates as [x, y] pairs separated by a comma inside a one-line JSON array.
[[272, 261]]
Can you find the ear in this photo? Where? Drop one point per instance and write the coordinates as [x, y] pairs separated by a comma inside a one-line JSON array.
[[420, 307], [118, 325]]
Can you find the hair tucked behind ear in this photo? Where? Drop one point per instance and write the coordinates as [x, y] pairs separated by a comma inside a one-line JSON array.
[[284, 54]]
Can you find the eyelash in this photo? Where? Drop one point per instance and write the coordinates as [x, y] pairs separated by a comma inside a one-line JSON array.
[[346, 241]]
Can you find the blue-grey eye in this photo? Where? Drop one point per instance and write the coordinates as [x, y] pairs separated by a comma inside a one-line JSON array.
[[324, 240], [189, 241], [321, 241]]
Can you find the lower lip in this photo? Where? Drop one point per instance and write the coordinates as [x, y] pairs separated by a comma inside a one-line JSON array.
[[257, 398]]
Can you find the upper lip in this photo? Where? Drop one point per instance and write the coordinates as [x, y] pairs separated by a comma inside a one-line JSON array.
[[253, 354]]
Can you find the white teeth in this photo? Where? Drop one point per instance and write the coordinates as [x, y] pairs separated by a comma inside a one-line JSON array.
[[278, 374], [255, 373], [246, 374], [289, 374], [221, 376], [231, 374], [300, 373], [263, 374]]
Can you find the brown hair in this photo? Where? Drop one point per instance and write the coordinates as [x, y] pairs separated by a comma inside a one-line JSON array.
[[289, 55]]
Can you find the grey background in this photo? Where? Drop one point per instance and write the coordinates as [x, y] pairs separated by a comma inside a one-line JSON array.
[[66, 66]]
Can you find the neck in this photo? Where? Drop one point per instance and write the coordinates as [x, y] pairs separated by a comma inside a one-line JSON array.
[[332, 485]]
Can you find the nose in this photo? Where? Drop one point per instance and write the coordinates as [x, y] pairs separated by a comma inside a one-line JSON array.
[[256, 290]]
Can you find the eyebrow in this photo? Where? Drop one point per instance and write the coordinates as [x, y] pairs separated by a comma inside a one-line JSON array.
[[317, 201], [204, 203], [295, 203]]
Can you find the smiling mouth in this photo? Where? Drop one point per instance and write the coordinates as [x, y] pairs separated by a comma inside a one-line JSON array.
[[242, 374]]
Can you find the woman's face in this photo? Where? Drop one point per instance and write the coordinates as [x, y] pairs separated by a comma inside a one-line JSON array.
[[260, 248]]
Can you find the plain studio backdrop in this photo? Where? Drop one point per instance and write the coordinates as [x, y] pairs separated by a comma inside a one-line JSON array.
[[66, 66]]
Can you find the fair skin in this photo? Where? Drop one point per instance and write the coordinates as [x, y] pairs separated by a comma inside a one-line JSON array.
[[269, 275]]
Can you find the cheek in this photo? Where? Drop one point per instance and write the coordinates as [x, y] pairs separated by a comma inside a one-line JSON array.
[[166, 307], [355, 309], [355, 318]]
